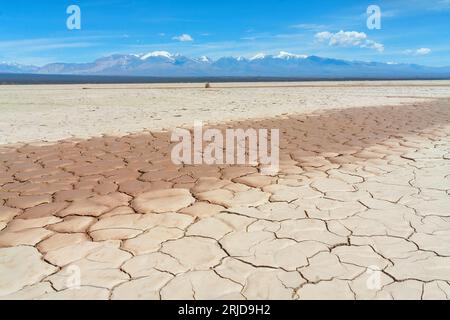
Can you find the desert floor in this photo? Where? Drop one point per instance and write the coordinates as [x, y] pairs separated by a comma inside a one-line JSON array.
[[359, 210]]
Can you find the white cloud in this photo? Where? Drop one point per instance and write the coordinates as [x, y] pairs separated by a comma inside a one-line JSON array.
[[183, 38], [349, 39], [308, 26], [441, 5], [418, 52], [423, 51]]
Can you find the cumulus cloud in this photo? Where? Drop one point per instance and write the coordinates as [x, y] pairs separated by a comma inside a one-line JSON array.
[[419, 52], [349, 39], [183, 38]]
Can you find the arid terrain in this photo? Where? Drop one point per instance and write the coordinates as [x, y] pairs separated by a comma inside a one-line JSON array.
[[55, 112], [92, 207]]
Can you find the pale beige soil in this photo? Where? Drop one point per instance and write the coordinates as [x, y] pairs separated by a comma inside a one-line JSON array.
[[51, 113], [363, 194]]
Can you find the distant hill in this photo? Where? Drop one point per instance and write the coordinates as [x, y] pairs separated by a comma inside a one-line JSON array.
[[284, 65]]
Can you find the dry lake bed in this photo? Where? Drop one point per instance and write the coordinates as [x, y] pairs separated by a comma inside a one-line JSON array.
[[92, 206]]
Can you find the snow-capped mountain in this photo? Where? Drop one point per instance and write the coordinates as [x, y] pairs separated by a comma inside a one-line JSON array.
[[284, 64], [8, 67], [156, 54], [259, 56], [287, 56]]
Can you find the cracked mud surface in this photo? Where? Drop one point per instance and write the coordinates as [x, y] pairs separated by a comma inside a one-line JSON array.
[[360, 192]]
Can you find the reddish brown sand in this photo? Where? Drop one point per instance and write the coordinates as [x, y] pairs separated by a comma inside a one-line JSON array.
[[358, 189]]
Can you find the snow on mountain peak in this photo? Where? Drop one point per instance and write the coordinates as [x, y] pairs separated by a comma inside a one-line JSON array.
[[259, 56], [205, 59], [11, 64], [287, 55], [162, 54]]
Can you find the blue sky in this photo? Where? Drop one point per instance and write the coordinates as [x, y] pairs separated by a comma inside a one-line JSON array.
[[412, 31]]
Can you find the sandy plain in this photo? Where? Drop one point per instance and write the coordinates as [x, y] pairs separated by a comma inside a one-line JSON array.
[[91, 206], [55, 112]]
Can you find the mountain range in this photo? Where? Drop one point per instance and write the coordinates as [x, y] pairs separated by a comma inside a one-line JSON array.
[[165, 64]]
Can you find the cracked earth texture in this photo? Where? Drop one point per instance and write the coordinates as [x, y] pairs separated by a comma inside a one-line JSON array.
[[362, 197]]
